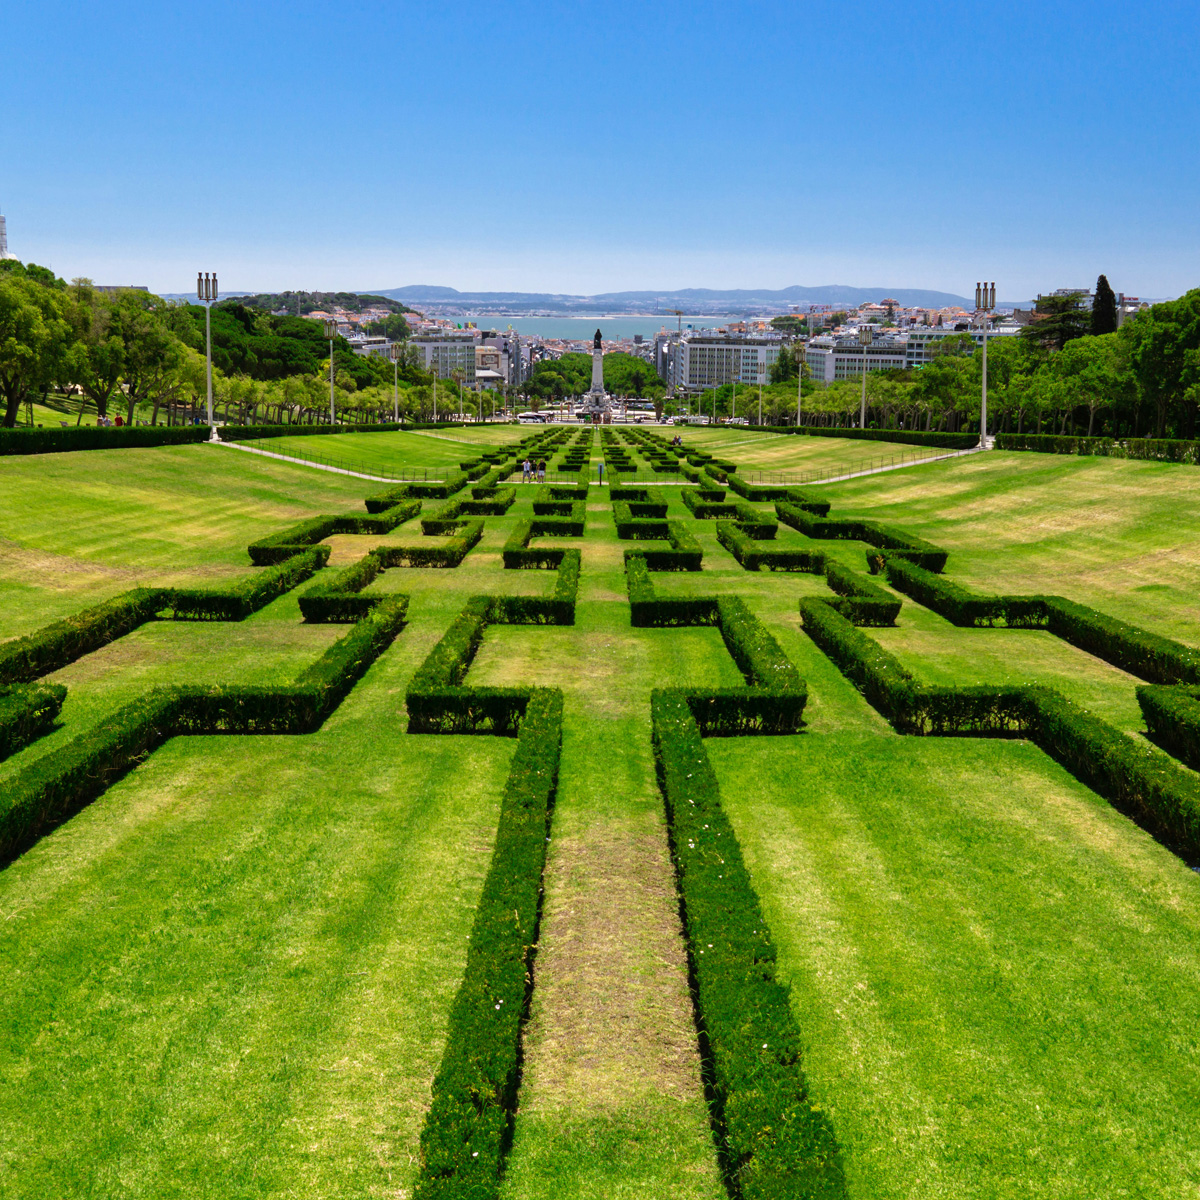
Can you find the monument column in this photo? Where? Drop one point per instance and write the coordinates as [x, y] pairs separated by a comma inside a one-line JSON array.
[[597, 387]]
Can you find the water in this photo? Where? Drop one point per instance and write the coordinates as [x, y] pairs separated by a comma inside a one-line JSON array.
[[583, 329]]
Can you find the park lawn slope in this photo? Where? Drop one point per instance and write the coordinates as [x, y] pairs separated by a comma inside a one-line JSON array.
[[995, 972], [231, 974]]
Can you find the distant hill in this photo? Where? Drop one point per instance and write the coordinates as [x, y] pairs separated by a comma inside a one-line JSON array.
[[696, 301], [300, 303]]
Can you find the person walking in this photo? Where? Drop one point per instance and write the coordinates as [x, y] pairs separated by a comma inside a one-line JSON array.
[[541, 470], [525, 470]]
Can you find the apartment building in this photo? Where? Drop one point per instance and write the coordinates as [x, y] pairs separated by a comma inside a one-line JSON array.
[[709, 360], [447, 352], [831, 359]]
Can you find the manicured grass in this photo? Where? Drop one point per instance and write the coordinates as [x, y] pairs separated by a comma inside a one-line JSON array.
[[995, 973], [391, 451], [79, 528], [1121, 536], [230, 974], [794, 452]]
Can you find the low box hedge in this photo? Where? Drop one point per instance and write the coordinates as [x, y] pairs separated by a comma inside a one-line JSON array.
[[469, 1123], [462, 539], [49, 790], [891, 541], [237, 600], [1153, 789], [754, 556], [775, 1142], [27, 711], [1176, 450], [648, 611], [1173, 719], [98, 437]]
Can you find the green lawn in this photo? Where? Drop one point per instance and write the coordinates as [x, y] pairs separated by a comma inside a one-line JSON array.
[[395, 450], [995, 974], [230, 975]]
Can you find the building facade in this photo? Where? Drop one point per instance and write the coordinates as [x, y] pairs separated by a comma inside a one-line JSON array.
[[443, 354], [832, 359], [702, 361]]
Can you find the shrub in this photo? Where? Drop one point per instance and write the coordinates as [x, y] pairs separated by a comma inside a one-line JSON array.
[[859, 600], [646, 610], [450, 554], [63, 781], [557, 609], [468, 1126], [97, 437], [755, 557], [890, 541], [776, 1144], [247, 595], [241, 433], [1152, 449], [61, 642], [1173, 719], [1162, 795], [26, 713], [634, 528], [960, 606]]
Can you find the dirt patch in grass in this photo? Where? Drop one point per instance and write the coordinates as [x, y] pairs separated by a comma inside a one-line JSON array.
[[612, 1019]]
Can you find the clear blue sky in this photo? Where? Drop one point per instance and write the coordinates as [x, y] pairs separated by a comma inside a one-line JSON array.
[[587, 147]]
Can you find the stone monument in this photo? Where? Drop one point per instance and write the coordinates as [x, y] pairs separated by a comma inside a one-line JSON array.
[[595, 403]]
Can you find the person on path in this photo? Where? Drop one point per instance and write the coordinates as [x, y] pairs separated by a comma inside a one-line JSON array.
[[541, 470], [525, 471]]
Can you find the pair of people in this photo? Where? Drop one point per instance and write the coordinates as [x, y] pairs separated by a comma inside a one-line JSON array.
[[531, 471]]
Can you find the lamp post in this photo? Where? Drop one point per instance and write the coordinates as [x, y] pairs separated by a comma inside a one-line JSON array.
[[761, 369], [865, 337], [331, 333], [206, 293], [395, 351], [985, 303], [800, 371]]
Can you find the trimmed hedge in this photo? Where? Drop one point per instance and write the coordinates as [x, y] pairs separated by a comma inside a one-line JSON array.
[[519, 555], [457, 546], [495, 502], [755, 557], [49, 790], [1176, 450], [685, 553], [905, 437], [774, 1142], [98, 437], [1155, 790], [1173, 719], [647, 611], [859, 600], [469, 1124], [289, 542], [61, 642], [560, 500], [556, 609], [248, 594], [431, 489], [26, 713], [764, 493], [890, 541], [1147, 655]]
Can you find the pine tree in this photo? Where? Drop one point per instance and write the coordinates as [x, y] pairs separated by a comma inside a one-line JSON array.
[[1104, 308]]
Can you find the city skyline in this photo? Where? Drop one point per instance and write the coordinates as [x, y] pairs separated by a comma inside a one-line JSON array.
[[603, 149]]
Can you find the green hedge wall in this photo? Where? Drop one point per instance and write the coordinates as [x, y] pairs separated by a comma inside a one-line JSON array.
[[449, 554], [26, 713], [775, 1142], [57, 785], [916, 549], [1161, 795], [753, 556], [1151, 449], [247, 595], [469, 1124], [246, 433], [647, 611], [1173, 719], [1147, 655], [905, 437], [97, 437]]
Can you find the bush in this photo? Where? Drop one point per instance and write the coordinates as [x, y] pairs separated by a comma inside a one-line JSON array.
[[859, 600], [776, 1143], [1155, 790], [62, 642], [243, 433], [1173, 719], [26, 713], [1152, 449], [468, 1126], [451, 554], [962, 607], [57, 785], [97, 437], [647, 611], [890, 541], [557, 609], [755, 557], [247, 595]]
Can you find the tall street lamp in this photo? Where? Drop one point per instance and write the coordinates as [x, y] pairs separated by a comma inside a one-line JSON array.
[[396, 350], [985, 303], [206, 293], [331, 333], [865, 337], [800, 368]]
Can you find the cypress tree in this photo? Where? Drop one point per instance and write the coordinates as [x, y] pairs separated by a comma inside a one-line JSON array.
[[1104, 308]]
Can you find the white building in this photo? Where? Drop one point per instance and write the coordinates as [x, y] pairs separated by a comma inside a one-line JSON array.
[[4, 240], [921, 343], [447, 352], [831, 359], [705, 360]]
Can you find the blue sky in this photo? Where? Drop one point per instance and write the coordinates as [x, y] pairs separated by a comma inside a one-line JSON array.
[[593, 147]]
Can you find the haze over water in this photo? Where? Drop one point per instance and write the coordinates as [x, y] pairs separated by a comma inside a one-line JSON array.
[[584, 328]]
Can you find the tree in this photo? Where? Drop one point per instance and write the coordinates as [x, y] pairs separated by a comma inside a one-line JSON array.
[[1164, 350], [1058, 319], [34, 336], [152, 352], [394, 327], [783, 368], [96, 359], [790, 324], [1104, 309]]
